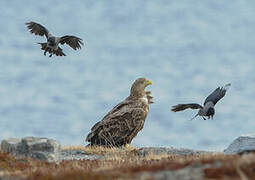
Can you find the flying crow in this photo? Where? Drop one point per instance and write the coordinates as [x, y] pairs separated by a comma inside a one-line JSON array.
[[51, 46], [208, 109]]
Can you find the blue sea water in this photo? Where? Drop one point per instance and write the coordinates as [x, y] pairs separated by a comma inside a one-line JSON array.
[[187, 48]]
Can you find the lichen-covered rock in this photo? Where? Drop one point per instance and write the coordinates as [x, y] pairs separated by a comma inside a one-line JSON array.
[[169, 150], [11, 145], [242, 144], [34, 147]]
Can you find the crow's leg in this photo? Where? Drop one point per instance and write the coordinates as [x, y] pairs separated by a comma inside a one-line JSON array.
[[203, 117], [50, 55], [44, 53]]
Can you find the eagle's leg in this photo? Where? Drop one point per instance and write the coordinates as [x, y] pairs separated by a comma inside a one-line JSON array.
[[127, 145]]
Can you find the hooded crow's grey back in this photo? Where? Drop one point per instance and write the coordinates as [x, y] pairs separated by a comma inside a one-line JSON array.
[[208, 109], [51, 46]]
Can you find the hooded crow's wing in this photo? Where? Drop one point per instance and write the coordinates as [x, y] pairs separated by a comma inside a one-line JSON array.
[[181, 107], [45, 48], [37, 29], [59, 52], [72, 41], [217, 94]]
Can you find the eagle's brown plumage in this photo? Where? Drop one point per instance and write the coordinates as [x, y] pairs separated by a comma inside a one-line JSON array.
[[125, 120]]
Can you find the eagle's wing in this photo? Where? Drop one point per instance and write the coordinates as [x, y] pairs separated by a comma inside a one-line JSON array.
[[100, 123], [181, 107], [217, 94], [119, 126], [37, 29], [116, 108], [73, 41]]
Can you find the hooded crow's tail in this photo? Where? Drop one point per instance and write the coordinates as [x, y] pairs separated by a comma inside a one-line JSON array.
[[58, 52]]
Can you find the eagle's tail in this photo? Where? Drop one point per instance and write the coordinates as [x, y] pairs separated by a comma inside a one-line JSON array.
[[95, 139]]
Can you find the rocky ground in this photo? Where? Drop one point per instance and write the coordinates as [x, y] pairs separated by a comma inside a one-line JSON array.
[[42, 158]]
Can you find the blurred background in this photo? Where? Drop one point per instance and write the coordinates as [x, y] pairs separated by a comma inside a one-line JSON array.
[[187, 48]]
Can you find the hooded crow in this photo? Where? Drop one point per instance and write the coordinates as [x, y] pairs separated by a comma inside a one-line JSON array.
[[51, 46], [208, 109]]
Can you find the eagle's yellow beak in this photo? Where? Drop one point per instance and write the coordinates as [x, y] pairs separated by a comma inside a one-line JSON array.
[[149, 82]]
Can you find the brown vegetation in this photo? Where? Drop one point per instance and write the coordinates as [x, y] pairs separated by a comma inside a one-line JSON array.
[[126, 164]]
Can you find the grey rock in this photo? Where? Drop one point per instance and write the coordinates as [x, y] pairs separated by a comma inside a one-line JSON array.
[[11, 145], [168, 150], [34, 147], [242, 144], [78, 155]]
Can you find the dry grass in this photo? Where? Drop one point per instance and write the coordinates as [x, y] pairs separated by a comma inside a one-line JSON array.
[[99, 150], [124, 164]]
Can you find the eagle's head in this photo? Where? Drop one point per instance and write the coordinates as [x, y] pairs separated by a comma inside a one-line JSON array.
[[138, 87]]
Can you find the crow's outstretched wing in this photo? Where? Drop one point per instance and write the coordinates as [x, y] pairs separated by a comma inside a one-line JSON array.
[[37, 29], [217, 94], [181, 107], [73, 41], [59, 52]]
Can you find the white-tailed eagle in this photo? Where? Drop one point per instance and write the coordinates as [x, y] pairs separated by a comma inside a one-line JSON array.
[[125, 120]]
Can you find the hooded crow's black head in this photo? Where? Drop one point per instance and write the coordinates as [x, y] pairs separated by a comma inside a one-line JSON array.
[[51, 41]]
